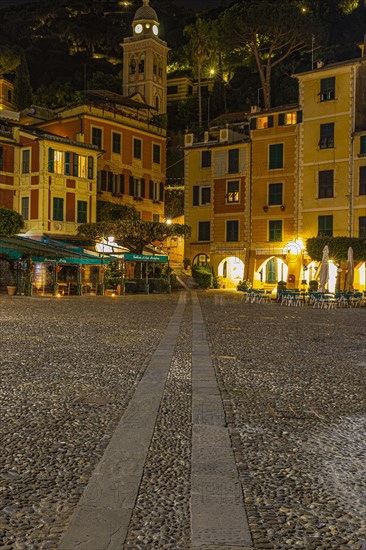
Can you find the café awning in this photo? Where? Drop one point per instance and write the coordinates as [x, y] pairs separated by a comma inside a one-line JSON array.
[[21, 247]]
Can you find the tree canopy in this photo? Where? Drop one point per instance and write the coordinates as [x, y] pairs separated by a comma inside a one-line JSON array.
[[338, 248], [133, 234], [9, 59], [11, 222]]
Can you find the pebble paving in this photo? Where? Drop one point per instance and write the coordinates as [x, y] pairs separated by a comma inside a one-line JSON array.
[[292, 383]]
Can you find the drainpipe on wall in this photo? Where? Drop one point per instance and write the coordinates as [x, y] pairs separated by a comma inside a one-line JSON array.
[[351, 154]]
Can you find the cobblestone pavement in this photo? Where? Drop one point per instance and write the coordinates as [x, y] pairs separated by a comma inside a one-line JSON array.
[[293, 388], [293, 384], [68, 370]]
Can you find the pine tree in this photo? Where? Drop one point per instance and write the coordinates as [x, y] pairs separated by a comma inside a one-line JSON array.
[[22, 86]]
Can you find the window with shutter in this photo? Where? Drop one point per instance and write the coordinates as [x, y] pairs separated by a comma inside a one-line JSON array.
[[363, 145], [122, 183], [142, 188], [270, 121], [161, 195], [325, 226], [67, 165], [196, 195], [275, 194], [82, 212], [58, 209], [116, 142], [232, 195], [156, 153], [362, 227], [326, 136], [90, 168], [326, 184], [110, 182], [275, 230], [276, 156], [281, 119], [151, 190], [76, 165], [103, 180], [327, 89], [97, 137], [232, 231], [51, 160], [137, 148], [25, 208], [233, 161], [205, 159], [132, 186], [362, 182], [26, 161], [203, 231]]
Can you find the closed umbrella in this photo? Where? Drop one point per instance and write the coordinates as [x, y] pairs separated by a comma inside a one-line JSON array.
[[324, 270], [350, 270]]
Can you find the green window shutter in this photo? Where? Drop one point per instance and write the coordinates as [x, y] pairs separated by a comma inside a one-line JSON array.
[[253, 123], [362, 181], [151, 190], [271, 271], [161, 195], [122, 183], [327, 89], [82, 213], [362, 145], [281, 119], [132, 186], [67, 166], [51, 160], [276, 156], [196, 195], [275, 230], [76, 165], [325, 226], [270, 121], [58, 209], [298, 117], [142, 187], [103, 180], [90, 168], [110, 182]]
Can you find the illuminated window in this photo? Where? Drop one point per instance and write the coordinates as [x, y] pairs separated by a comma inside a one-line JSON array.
[[81, 166], [290, 118], [58, 162], [262, 122], [232, 194]]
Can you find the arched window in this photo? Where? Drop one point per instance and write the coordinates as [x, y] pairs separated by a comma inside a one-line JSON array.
[[142, 64], [133, 66], [160, 71], [201, 259], [157, 103], [155, 66]]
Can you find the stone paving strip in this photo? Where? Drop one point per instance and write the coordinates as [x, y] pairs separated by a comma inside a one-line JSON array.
[[103, 514], [218, 517]]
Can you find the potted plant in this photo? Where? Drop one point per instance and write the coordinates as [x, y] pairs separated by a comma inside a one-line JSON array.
[[313, 285], [11, 288], [244, 286]]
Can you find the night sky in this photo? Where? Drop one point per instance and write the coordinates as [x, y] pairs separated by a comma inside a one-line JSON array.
[[192, 4]]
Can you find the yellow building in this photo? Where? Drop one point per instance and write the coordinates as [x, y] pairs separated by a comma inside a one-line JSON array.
[[49, 180], [275, 235], [331, 189], [183, 87], [217, 172], [6, 95]]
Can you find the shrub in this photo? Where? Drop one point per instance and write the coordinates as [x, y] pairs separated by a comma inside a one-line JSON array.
[[313, 285], [245, 285], [186, 263], [159, 285], [203, 276]]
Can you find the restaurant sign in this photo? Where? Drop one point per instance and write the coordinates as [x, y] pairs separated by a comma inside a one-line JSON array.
[[144, 258]]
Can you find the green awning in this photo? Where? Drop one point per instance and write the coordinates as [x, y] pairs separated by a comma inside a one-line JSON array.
[[21, 247]]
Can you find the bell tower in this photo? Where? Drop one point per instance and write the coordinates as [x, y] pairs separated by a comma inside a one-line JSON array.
[[145, 60]]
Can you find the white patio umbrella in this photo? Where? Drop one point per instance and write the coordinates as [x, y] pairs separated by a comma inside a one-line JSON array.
[[350, 270], [324, 270]]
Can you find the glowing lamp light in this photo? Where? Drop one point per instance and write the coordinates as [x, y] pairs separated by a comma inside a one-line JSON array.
[[212, 72], [169, 222], [59, 295]]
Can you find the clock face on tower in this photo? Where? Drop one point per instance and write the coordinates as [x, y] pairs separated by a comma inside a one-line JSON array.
[[138, 28], [155, 30]]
